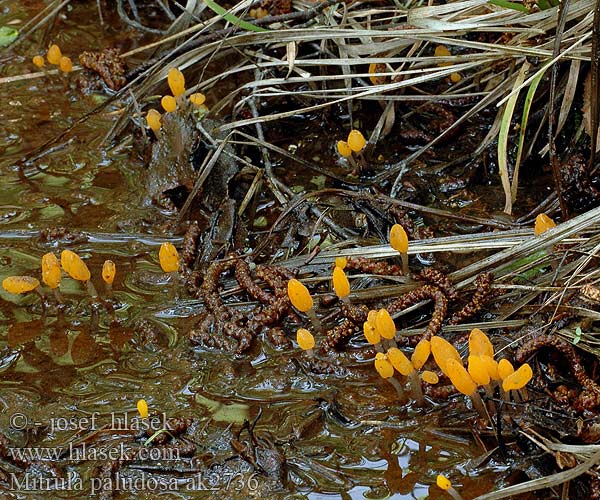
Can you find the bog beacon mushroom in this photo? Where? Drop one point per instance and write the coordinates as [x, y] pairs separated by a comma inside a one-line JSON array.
[[399, 242], [405, 367], [197, 99], [517, 380], [443, 351], [168, 103], [109, 270], [176, 82], [306, 341], [168, 257], [386, 371], [142, 408], [372, 336], [341, 285], [52, 274], [465, 384], [542, 224], [300, 298], [444, 484], [38, 61], [54, 54], [356, 141], [65, 64], [341, 262], [77, 269], [19, 285], [385, 326], [153, 120]]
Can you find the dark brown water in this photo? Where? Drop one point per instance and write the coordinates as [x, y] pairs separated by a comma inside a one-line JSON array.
[[341, 438]]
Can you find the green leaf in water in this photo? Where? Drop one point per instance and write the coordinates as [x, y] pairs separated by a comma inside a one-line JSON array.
[[577, 336], [8, 35], [233, 19]]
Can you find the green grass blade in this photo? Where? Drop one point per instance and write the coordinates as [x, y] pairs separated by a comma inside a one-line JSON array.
[[509, 109], [233, 19], [526, 108], [509, 5]]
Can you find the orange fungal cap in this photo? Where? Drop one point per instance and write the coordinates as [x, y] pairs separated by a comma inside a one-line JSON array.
[[305, 339], [443, 351], [371, 334], [65, 64], [479, 343], [505, 368], [399, 238], [20, 284], [299, 296], [51, 273], [341, 285], [38, 61], [168, 103], [518, 379], [197, 99], [356, 141], [384, 324], [383, 366], [153, 120], [478, 370], [343, 149], [430, 377], [542, 224], [168, 257], [109, 269], [399, 361], [176, 82], [341, 262], [460, 377], [421, 353], [372, 317], [442, 481], [74, 266], [142, 408], [54, 54], [491, 366]]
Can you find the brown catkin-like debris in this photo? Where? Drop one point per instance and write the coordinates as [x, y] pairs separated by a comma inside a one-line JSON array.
[[439, 279], [365, 265], [190, 244], [483, 288]]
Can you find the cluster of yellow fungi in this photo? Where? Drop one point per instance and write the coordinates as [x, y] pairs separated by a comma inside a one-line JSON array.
[[380, 325], [169, 103], [55, 57], [77, 269], [355, 143]]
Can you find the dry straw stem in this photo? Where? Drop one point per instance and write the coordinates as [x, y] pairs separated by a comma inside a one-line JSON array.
[[544, 482]]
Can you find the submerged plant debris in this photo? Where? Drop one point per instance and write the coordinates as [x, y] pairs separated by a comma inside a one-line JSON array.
[[299, 249]]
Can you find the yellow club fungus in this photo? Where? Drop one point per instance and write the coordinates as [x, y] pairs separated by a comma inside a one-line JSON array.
[[341, 262], [443, 351], [478, 369], [401, 363], [463, 382], [52, 274], [492, 367], [430, 377], [479, 344], [341, 285], [372, 335], [386, 371], [176, 82], [455, 77], [442, 51], [77, 269], [343, 149], [38, 61], [20, 284], [306, 341], [197, 99], [65, 64], [300, 298], [168, 103], [505, 368], [372, 317], [384, 324], [399, 242], [153, 120], [518, 380], [168, 257], [421, 354], [54, 54], [356, 141], [109, 270], [444, 484], [542, 224], [142, 408]]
